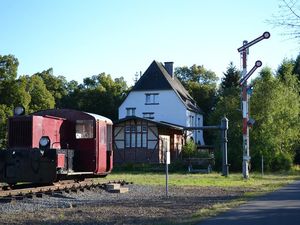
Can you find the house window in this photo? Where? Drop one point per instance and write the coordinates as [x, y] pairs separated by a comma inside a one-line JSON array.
[[133, 136], [191, 121], [148, 115], [151, 99], [144, 136], [136, 136], [130, 111], [127, 136]]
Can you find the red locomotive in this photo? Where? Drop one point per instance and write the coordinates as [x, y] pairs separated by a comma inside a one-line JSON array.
[[56, 144]]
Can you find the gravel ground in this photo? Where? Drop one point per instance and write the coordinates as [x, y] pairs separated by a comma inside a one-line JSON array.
[[141, 205]]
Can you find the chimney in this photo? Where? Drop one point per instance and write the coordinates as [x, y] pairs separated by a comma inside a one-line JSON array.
[[169, 68]]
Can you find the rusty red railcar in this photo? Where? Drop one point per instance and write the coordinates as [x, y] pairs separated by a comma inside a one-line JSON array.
[[55, 144]]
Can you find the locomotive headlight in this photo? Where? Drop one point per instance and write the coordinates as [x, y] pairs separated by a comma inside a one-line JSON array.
[[44, 142], [19, 110]]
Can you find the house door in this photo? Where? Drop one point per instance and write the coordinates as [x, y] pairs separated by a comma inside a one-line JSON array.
[[164, 146]]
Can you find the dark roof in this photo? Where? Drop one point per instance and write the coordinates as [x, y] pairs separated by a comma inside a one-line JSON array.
[[156, 77], [161, 123], [70, 114]]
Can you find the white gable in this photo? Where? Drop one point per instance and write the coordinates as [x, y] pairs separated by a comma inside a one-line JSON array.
[[168, 107]]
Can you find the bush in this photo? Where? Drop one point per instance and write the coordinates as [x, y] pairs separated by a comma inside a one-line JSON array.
[[189, 149], [282, 161]]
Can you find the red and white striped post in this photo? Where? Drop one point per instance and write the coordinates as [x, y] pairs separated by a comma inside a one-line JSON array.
[[245, 99], [246, 151]]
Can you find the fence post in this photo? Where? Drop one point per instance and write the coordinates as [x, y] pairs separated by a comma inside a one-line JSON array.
[[262, 165], [224, 128]]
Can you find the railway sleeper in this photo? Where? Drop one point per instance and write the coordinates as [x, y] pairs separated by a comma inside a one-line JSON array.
[[74, 190], [53, 190], [39, 194], [6, 199], [19, 197]]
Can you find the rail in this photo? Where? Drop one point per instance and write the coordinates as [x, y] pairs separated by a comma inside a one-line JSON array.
[[18, 192]]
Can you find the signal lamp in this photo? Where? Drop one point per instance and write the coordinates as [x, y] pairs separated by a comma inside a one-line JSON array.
[[44, 142], [19, 111]]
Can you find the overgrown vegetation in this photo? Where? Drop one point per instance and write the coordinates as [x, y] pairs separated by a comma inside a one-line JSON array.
[[189, 149]]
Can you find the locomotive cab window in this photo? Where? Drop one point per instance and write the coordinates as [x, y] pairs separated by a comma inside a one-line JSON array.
[[84, 129]]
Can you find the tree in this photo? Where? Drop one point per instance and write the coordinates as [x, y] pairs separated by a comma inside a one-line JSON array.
[[195, 73], [200, 83], [289, 74], [229, 105], [72, 86], [13, 93], [56, 85], [5, 112], [231, 78], [10, 93], [276, 109], [286, 68], [8, 68], [41, 98], [296, 70], [98, 94], [286, 74], [288, 18]]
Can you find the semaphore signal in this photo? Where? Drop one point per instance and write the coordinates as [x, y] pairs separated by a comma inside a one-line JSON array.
[[243, 50]]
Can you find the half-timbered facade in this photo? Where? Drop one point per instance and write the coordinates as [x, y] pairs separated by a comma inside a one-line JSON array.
[[138, 140]]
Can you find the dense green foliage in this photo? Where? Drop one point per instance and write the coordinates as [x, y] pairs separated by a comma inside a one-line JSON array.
[[276, 108], [200, 83]]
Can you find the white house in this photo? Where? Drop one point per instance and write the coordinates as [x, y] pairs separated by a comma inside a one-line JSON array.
[[159, 96]]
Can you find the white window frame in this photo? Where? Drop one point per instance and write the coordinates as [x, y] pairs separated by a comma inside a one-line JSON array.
[[148, 115], [130, 111], [151, 99], [136, 136]]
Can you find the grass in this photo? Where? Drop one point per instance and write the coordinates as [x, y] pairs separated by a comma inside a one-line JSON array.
[[268, 182], [256, 184], [149, 174]]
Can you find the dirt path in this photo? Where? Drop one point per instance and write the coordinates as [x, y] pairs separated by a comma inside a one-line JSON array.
[[141, 205]]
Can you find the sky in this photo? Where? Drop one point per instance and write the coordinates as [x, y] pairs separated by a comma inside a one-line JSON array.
[[81, 38]]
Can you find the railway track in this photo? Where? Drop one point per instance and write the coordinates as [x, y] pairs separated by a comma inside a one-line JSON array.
[[20, 192]]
